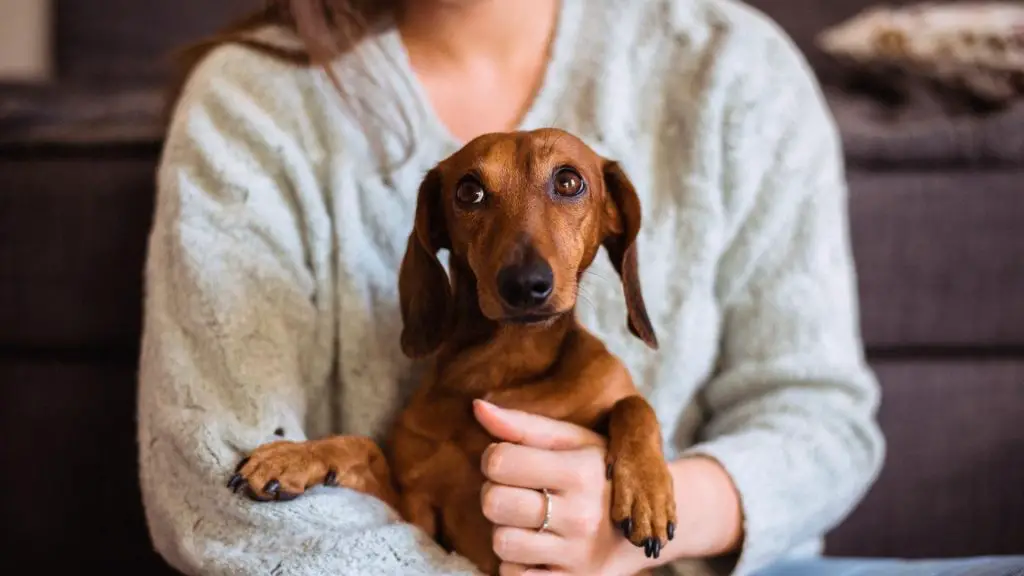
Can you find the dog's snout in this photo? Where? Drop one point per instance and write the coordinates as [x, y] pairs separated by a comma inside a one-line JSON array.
[[526, 285]]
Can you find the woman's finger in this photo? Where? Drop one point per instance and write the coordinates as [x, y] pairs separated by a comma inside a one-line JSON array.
[[524, 508], [529, 547], [532, 430], [529, 467]]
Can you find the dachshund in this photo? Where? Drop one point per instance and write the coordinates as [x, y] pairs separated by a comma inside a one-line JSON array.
[[522, 215]]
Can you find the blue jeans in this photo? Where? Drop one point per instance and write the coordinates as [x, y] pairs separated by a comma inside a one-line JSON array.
[[826, 566]]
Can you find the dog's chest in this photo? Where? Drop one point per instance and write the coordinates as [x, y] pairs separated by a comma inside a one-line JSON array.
[[450, 439], [438, 446]]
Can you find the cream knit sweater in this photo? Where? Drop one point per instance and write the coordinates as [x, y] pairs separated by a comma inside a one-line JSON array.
[[282, 216]]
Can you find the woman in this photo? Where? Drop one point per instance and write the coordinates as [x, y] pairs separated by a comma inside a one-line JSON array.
[[286, 193]]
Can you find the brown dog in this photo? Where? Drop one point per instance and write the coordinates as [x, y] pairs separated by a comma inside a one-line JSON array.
[[523, 215]]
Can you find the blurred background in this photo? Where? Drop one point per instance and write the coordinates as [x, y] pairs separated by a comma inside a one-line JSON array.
[[937, 209]]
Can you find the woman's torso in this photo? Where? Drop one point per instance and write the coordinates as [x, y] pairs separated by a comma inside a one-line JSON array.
[[635, 80]]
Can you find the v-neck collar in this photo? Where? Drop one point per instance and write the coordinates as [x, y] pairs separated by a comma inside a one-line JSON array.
[[539, 113]]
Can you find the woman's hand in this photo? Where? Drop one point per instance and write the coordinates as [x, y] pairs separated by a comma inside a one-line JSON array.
[[569, 461]]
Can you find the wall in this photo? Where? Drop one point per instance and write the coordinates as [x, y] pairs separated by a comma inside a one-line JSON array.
[[25, 33]]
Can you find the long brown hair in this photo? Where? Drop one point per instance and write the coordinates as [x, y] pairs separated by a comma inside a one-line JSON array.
[[326, 28]]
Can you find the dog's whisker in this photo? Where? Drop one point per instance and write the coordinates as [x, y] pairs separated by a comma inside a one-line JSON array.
[[596, 275]]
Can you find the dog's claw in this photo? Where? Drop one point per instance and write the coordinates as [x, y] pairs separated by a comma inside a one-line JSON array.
[[272, 488], [331, 479], [236, 482], [608, 471], [642, 501], [627, 527], [652, 547], [251, 494]]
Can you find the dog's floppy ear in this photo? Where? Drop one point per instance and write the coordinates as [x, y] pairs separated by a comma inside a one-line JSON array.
[[622, 213], [424, 290]]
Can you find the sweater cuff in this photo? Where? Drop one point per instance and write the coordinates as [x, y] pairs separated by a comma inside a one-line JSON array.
[[767, 527]]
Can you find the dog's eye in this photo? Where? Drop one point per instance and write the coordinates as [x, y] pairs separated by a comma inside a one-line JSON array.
[[469, 192], [568, 182]]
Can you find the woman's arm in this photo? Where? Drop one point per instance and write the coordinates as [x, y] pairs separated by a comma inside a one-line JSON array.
[[792, 406], [238, 342], [791, 444]]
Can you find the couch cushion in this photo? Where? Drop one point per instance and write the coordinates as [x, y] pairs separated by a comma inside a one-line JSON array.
[[68, 459], [73, 234], [939, 258], [969, 49], [951, 483]]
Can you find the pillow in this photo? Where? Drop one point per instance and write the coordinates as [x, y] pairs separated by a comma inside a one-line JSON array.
[[976, 47]]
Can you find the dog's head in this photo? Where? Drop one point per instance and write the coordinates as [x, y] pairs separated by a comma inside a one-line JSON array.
[[525, 213]]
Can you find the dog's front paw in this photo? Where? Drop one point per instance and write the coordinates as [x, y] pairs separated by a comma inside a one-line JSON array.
[[284, 470], [280, 471], [643, 500]]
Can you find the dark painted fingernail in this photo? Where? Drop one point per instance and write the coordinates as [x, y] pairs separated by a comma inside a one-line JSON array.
[[279, 432], [627, 527], [331, 479], [671, 529], [235, 482], [272, 487], [608, 471], [241, 464]]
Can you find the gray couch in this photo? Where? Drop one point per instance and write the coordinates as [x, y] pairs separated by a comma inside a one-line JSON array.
[[937, 224]]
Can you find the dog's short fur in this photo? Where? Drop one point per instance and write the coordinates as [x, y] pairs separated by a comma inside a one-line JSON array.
[[523, 215]]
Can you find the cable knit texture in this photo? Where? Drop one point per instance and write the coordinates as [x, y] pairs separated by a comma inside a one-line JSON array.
[[281, 221]]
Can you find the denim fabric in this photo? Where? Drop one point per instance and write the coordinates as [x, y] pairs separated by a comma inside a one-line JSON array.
[[975, 566]]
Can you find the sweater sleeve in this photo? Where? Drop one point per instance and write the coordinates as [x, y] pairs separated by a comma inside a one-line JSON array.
[[238, 342], [792, 405]]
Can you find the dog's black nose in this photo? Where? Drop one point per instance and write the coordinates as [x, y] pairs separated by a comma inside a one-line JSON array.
[[526, 285]]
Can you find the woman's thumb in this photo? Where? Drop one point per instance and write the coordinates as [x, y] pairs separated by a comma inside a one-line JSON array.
[[532, 430]]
